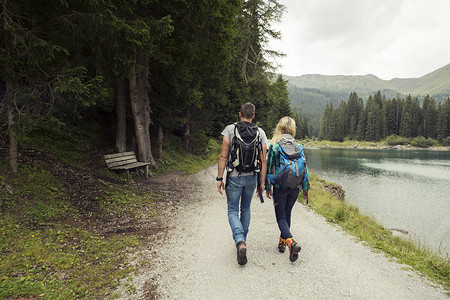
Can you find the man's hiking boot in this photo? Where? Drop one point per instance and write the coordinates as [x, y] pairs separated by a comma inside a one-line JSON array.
[[294, 249], [241, 253], [282, 245]]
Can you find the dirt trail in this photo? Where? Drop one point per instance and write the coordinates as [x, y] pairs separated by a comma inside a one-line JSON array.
[[197, 258]]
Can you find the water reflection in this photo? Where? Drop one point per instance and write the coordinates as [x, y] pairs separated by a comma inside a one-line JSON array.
[[407, 190]]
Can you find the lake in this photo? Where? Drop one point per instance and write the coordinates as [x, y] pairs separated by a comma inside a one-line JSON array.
[[402, 189]]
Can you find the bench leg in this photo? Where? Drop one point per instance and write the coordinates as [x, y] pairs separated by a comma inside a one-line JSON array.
[[146, 171], [128, 175]]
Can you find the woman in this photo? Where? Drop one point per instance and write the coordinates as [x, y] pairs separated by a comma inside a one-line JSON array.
[[284, 197]]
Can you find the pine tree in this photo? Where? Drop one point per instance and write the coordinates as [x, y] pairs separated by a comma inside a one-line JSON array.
[[342, 123], [398, 105], [416, 116], [430, 116], [326, 123], [361, 128], [443, 121], [406, 127], [278, 95], [374, 118], [354, 110]]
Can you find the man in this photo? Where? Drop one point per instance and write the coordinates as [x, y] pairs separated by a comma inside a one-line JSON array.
[[240, 186]]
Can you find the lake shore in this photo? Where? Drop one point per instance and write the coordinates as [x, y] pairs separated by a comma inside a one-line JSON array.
[[367, 145], [383, 184]]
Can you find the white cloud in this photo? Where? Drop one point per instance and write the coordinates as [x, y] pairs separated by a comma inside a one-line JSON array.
[[387, 38]]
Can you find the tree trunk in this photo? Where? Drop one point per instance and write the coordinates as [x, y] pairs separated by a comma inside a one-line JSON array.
[[159, 150], [140, 105], [12, 128], [247, 45], [187, 132], [121, 134], [9, 93]]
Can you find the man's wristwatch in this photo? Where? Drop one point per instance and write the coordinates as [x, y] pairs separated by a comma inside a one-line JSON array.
[[219, 178]]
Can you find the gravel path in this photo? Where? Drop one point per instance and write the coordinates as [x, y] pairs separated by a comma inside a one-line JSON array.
[[198, 259]]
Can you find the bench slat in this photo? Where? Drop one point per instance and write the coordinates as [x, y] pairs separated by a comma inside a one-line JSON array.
[[130, 166], [108, 156], [119, 159], [122, 163]]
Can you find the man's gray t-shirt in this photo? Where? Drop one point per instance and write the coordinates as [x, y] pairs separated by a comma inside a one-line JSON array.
[[229, 133]]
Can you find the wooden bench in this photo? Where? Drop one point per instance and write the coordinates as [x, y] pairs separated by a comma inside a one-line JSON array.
[[124, 161]]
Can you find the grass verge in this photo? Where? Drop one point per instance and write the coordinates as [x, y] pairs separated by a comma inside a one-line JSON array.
[[68, 143], [367, 230], [46, 249], [176, 158], [45, 253]]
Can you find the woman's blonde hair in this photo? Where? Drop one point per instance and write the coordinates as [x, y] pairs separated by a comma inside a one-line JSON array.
[[285, 125]]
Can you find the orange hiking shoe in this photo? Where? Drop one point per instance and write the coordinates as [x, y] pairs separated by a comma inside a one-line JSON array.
[[282, 245], [294, 249]]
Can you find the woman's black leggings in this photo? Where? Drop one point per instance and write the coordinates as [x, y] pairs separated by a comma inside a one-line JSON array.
[[284, 200]]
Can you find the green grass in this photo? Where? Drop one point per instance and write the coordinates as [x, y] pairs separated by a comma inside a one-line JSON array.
[[325, 143], [43, 255], [45, 251], [119, 201], [60, 262], [68, 143], [175, 158], [366, 229]]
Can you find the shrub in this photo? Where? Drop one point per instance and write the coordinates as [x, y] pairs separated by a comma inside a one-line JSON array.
[[396, 140], [432, 142], [422, 142], [446, 141]]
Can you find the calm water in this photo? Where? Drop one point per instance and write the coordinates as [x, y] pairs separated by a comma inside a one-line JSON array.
[[407, 190]]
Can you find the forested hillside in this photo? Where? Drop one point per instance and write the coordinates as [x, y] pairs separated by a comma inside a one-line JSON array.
[[310, 103], [401, 120], [311, 93], [151, 67]]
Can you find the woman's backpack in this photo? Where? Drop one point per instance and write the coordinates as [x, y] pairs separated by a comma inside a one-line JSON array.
[[292, 165]]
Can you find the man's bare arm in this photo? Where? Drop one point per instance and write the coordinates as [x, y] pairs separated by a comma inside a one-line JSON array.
[[223, 159]]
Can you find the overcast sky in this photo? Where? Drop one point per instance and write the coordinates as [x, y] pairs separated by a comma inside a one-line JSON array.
[[387, 38]]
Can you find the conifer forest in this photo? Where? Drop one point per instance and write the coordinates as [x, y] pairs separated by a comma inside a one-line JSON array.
[[379, 118], [181, 67]]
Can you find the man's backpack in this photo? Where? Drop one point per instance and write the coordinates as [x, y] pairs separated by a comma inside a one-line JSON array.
[[245, 148], [292, 170]]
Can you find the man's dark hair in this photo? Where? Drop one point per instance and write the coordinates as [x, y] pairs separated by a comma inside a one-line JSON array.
[[247, 110]]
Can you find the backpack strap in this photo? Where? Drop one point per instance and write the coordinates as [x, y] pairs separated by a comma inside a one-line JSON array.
[[233, 156], [229, 166]]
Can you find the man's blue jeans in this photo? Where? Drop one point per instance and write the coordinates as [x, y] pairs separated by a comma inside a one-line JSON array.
[[240, 188]]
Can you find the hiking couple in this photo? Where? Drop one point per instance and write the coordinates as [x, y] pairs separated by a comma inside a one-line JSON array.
[[243, 156]]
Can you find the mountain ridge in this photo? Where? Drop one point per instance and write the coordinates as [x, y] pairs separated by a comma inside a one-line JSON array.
[[311, 93], [436, 83]]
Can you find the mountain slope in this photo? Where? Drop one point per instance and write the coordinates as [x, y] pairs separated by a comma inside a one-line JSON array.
[[434, 83], [310, 94]]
